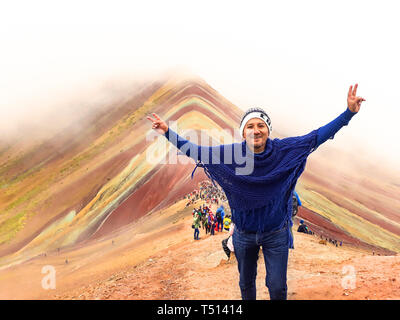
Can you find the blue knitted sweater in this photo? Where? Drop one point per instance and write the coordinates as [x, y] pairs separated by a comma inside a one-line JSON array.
[[259, 186]]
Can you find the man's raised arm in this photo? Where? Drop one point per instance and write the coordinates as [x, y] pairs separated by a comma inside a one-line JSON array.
[[190, 149]]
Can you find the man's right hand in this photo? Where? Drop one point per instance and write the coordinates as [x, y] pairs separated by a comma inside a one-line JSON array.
[[159, 125]]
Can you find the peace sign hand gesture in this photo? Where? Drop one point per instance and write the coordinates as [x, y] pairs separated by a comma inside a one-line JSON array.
[[159, 125], [354, 102]]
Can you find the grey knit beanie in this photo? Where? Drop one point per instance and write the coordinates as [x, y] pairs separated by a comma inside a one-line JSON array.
[[255, 113]]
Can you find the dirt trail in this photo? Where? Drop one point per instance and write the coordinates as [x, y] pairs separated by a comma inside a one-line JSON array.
[[157, 258], [200, 270]]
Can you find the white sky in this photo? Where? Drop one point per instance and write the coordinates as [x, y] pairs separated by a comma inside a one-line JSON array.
[[295, 58]]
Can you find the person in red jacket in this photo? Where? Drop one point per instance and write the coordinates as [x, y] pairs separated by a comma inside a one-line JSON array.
[[211, 220]]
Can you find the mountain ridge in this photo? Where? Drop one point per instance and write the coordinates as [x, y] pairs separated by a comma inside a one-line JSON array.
[[69, 199]]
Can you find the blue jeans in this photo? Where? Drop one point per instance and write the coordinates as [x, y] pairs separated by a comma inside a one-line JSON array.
[[275, 250], [196, 233], [219, 225]]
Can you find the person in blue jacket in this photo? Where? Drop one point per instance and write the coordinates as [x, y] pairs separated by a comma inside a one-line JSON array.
[[296, 203], [303, 227], [220, 213], [258, 177]]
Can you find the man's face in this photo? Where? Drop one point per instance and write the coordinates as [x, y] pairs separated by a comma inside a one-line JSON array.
[[256, 134]]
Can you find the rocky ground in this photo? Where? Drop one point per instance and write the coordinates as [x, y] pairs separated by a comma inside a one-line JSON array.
[[200, 270], [157, 258]]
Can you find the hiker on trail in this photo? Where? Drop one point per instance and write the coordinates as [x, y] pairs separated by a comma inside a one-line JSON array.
[[218, 215], [303, 228], [204, 220], [295, 207], [296, 203], [227, 244], [200, 213], [227, 222], [208, 224], [230, 242], [211, 221], [221, 207], [225, 247], [196, 226], [259, 178]]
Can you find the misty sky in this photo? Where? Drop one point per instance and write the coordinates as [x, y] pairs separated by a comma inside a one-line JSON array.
[[296, 59]]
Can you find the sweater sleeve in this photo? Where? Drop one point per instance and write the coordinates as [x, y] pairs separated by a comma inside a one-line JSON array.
[[329, 130], [192, 150]]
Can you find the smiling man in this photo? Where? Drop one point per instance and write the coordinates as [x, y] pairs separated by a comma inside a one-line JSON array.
[[261, 199], [255, 128]]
